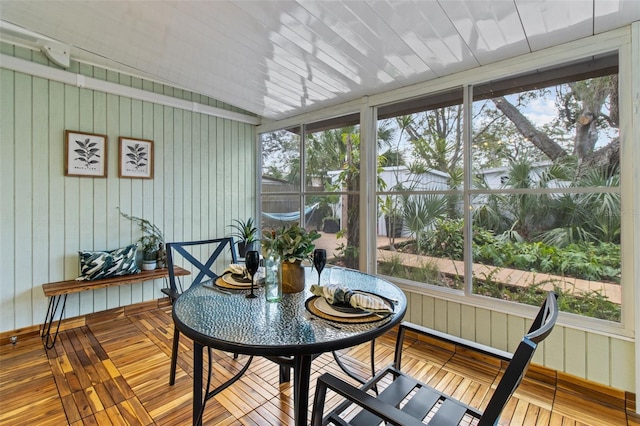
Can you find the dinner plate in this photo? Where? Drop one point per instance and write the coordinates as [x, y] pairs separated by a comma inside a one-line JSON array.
[[230, 279], [347, 309], [323, 306]]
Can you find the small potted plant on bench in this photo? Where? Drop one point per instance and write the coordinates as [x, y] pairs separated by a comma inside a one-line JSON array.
[[150, 242]]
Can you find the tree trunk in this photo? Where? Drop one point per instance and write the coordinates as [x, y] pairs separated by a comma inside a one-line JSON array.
[[586, 135], [607, 158], [543, 142], [353, 209]]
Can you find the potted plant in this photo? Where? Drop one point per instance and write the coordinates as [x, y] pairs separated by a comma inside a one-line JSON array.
[[150, 240], [391, 209], [246, 234], [394, 224], [322, 211], [292, 244], [330, 225]]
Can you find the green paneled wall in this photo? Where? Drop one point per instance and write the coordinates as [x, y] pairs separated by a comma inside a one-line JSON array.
[[204, 177], [602, 359]]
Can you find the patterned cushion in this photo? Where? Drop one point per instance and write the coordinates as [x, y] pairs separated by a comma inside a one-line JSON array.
[[104, 264]]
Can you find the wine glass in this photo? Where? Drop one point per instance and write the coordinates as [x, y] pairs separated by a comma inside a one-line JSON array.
[[319, 260], [252, 262]]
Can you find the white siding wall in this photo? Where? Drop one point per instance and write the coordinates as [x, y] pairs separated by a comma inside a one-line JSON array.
[[603, 359], [203, 179]]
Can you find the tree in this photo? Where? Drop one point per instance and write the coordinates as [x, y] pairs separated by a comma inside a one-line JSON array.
[[583, 106], [324, 152], [339, 149], [350, 176], [280, 149], [537, 137], [436, 137]]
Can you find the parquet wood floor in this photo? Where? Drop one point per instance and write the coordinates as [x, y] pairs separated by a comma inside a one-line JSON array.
[[116, 373]]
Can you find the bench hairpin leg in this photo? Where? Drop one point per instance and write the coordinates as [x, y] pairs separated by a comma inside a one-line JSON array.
[[54, 302]]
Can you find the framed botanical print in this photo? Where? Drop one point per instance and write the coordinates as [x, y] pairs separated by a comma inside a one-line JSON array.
[[85, 154], [135, 158]]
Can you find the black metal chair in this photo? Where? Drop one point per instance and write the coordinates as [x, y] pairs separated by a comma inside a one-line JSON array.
[[192, 252], [406, 401]]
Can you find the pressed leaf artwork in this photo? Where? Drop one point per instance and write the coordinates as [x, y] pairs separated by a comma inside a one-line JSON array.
[[137, 156], [86, 152]]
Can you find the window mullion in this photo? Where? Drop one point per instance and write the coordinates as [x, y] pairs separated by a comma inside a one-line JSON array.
[[467, 135]]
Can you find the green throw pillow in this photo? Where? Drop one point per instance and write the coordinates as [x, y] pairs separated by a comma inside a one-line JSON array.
[[95, 265]]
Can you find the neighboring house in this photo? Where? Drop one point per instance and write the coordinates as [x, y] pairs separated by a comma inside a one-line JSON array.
[[497, 177]]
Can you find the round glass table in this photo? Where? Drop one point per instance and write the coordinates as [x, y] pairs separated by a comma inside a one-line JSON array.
[[286, 331]]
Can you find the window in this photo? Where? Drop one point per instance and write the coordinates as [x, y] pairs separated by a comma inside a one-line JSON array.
[[540, 198], [326, 199], [546, 200], [420, 210], [280, 186], [513, 194]]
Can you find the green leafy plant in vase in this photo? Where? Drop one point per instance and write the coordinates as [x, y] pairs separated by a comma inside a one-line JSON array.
[[292, 244]]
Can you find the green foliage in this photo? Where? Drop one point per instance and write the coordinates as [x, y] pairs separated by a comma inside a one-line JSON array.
[[482, 236], [392, 267], [583, 260], [346, 253], [421, 211], [391, 157], [591, 304], [427, 272], [245, 231], [290, 242], [151, 235], [446, 239], [556, 219], [586, 260]]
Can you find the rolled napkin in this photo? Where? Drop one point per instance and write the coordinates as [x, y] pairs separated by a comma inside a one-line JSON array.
[[237, 269], [335, 294]]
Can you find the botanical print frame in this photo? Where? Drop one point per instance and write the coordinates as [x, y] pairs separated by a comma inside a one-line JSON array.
[[85, 154], [135, 158]]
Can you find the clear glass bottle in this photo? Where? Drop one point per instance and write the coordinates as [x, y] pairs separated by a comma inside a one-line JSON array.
[[273, 277]]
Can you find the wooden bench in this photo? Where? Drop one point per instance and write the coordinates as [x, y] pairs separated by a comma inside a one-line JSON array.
[[58, 291]]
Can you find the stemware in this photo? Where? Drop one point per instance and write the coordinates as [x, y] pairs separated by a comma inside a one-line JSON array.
[[252, 262], [319, 261]]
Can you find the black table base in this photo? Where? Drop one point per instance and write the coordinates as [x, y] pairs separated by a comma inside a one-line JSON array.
[[199, 401], [301, 365]]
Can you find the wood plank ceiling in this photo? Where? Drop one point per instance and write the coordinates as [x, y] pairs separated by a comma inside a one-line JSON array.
[[282, 58]]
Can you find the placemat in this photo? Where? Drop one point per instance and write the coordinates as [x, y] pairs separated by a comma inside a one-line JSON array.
[[310, 304]]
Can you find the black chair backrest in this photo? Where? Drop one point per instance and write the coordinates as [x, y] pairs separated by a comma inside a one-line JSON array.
[[192, 252], [540, 329]]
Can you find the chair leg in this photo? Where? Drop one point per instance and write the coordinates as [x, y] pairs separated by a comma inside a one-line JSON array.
[[318, 403], [174, 356]]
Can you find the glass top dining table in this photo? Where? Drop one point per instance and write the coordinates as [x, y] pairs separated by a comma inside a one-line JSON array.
[[226, 320]]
